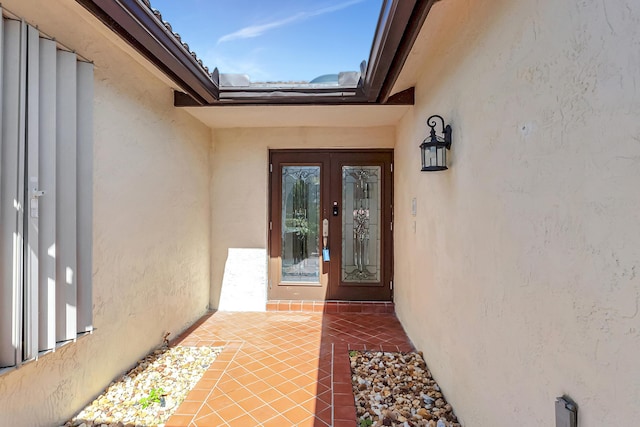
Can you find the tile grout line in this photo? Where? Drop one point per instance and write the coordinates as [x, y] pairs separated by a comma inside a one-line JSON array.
[[246, 387], [333, 419], [193, 416], [228, 363], [281, 344]]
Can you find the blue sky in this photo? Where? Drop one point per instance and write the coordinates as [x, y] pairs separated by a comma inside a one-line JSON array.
[[275, 40]]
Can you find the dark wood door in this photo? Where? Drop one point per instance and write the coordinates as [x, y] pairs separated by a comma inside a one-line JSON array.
[[330, 225]]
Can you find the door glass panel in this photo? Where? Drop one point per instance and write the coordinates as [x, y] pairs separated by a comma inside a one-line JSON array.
[[361, 211], [300, 223]]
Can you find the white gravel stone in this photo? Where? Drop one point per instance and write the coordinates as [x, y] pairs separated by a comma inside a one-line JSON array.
[[174, 370]]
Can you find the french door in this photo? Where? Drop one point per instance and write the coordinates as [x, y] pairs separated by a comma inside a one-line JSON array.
[[330, 225]]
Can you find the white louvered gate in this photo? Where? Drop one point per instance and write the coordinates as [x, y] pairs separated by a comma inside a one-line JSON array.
[[46, 168]]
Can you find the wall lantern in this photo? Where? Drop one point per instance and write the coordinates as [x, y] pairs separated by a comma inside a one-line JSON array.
[[434, 148]]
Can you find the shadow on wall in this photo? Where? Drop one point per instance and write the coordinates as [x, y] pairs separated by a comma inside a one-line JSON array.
[[244, 283]]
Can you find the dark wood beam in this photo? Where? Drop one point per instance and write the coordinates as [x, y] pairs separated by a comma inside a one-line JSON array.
[[393, 19], [403, 98], [406, 97], [183, 100], [409, 35], [137, 25]]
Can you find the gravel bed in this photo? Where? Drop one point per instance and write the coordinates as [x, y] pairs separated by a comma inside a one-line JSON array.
[[397, 389], [148, 394]]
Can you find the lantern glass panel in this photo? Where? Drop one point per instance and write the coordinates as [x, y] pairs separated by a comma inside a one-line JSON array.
[[442, 157]]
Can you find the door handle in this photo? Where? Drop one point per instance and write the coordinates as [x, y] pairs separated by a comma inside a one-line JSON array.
[[325, 239], [33, 203]]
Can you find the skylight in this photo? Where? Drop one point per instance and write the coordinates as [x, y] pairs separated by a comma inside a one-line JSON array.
[[145, 29], [277, 42]]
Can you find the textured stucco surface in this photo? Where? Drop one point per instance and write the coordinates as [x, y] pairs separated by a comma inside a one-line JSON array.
[[240, 185], [520, 282], [518, 276], [151, 225]]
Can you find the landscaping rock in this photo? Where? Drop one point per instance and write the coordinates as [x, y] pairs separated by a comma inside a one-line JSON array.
[[149, 393], [397, 389]]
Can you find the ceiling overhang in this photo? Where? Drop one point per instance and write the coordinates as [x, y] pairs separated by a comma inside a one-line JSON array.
[[398, 26], [288, 116]]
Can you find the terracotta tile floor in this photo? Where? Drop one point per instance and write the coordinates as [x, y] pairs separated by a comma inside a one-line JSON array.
[[282, 368]]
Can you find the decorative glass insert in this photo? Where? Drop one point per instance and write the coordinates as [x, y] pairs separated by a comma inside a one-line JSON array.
[[361, 216], [300, 224]]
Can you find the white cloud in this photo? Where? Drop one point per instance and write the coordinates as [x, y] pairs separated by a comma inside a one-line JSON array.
[[335, 8], [246, 64], [258, 30]]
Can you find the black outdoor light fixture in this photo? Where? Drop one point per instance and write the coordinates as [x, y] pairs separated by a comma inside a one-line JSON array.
[[434, 148]]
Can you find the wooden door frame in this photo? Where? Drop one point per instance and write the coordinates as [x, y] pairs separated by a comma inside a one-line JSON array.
[[322, 156]]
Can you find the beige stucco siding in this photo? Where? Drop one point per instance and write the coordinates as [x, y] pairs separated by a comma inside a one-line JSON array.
[[151, 225], [240, 185], [518, 276]]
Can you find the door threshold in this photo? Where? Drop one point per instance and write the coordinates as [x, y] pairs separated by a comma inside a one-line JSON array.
[[331, 306]]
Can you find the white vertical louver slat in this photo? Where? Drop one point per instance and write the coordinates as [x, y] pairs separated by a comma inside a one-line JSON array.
[[47, 203], [66, 211], [7, 351], [46, 194], [19, 248], [10, 314], [85, 195], [32, 196]]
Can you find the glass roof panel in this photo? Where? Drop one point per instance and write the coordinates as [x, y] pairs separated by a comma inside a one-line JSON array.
[[276, 41]]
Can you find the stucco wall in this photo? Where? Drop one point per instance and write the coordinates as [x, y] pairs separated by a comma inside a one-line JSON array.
[[151, 226], [240, 183], [520, 281]]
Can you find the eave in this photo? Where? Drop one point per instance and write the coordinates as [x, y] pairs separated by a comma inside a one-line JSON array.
[[397, 29], [136, 24]]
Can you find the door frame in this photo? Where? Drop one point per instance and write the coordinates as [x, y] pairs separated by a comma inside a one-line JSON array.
[[331, 160]]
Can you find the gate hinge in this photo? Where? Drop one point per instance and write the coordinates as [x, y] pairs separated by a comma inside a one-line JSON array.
[[391, 225], [391, 167], [270, 167], [270, 225]]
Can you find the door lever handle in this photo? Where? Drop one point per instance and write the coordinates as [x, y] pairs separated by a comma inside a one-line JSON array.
[[325, 240]]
